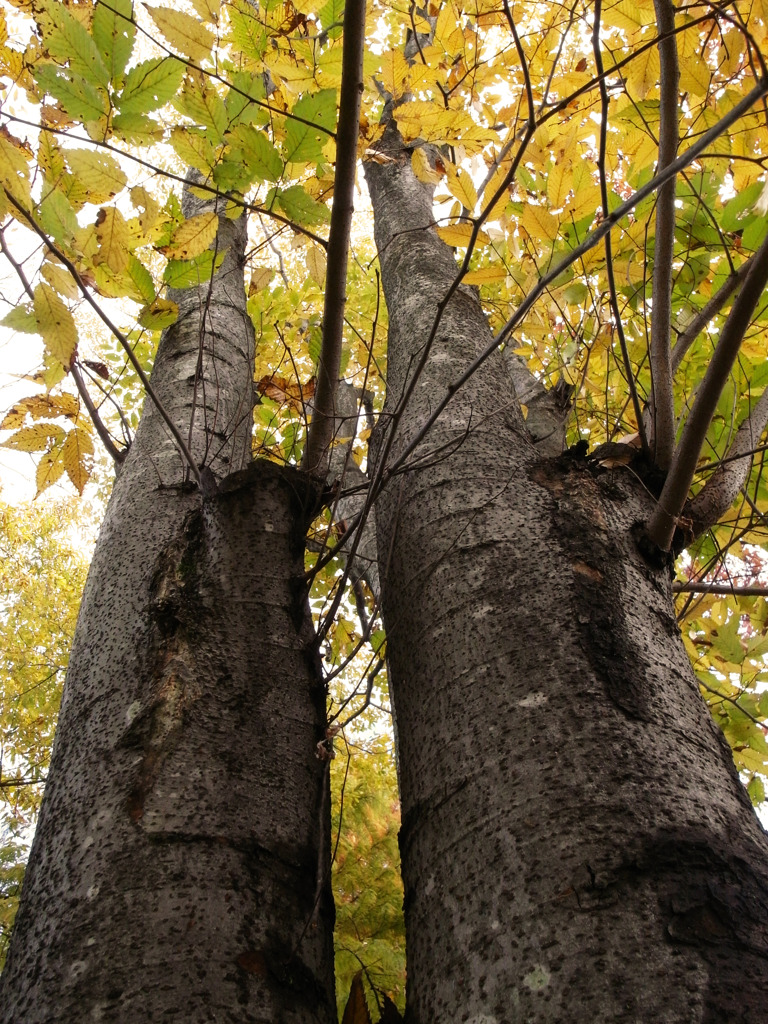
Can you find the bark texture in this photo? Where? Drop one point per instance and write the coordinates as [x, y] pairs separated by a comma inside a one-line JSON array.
[[576, 844], [179, 870]]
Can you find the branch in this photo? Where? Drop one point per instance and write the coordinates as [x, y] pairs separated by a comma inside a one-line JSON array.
[[661, 526], [115, 453], [711, 309], [733, 115], [720, 491], [662, 395], [125, 344], [613, 295], [323, 422], [719, 588]]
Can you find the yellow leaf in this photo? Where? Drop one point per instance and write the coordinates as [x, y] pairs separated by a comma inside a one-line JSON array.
[[559, 183], [491, 188], [422, 168], [60, 279], [315, 260], [586, 192], [49, 469], [159, 314], [461, 186], [539, 223], [14, 168], [114, 239], [192, 237], [459, 235], [260, 279], [99, 173], [184, 32], [38, 407], [695, 75], [34, 439], [486, 275], [56, 325], [394, 73], [644, 72], [77, 457], [208, 9]]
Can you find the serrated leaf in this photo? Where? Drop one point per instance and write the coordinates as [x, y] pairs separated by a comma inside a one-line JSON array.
[[114, 239], [55, 324], [49, 469], [461, 186], [57, 216], [114, 33], [141, 279], [184, 33], [300, 207], [99, 172], [157, 315], [37, 438], [460, 234], [316, 263], [208, 10], [356, 1010], [558, 184], [422, 168], [79, 98], [253, 148], [150, 85], [192, 237], [60, 280], [194, 148], [486, 275], [201, 103], [20, 318], [77, 456], [14, 167], [40, 407], [194, 272], [136, 129], [260, 279], [69, 42], [304, 142]]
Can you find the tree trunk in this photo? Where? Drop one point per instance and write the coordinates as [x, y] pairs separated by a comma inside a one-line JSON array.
[[179, 869], [576, 844]]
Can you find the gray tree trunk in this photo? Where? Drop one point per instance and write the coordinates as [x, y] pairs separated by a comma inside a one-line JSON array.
[[576, 844], [179, 869]]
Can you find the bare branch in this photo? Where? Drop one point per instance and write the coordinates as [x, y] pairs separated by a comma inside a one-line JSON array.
[[720, 491], [661, 526], [711, 309], [115, 453], [323, 421], [662, 396], [720, 589]]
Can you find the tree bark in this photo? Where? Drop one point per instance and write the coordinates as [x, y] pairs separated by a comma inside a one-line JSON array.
[[180, 866], [576, 844]]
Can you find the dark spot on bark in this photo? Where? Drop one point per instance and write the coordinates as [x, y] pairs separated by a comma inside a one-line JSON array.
[[595, 563]]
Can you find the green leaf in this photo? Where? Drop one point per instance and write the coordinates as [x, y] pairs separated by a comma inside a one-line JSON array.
[[69, 42], [189, 273], [21, 318], [78, 97], [114, 34], [331, 17], [303, 142], [739, 211], [201, 103], [56, 325], [252, 147], [300, 207], [136, 128], [144, 288], [150, 85], [159, 314]]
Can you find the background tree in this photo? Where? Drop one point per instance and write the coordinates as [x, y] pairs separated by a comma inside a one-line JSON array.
[[593, 260]]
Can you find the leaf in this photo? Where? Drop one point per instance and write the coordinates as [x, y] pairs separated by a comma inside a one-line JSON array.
[[300, 207], [69, 42], [316, 263], [141, 279], [150, 85], [49, 469], [34, 439], [20, 318], [114, 33], [79, 98], [114, 239], [194, 272], [184, 32], [201, 103], [159, 314], [486, 275], [282, 391], [260, 278], [192, 237], [422, 167], [253, 148], [461, 186], [98, 172], [356, 1010], [57, 216], [77, 456], [40, 407], [460, 234], [304, 142], [56, 325]]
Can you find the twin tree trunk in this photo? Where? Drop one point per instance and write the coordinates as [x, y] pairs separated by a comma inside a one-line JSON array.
[[180, 867], [576, 844]]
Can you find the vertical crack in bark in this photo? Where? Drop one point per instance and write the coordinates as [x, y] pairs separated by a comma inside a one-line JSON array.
[[174, 609], [598, 584]]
